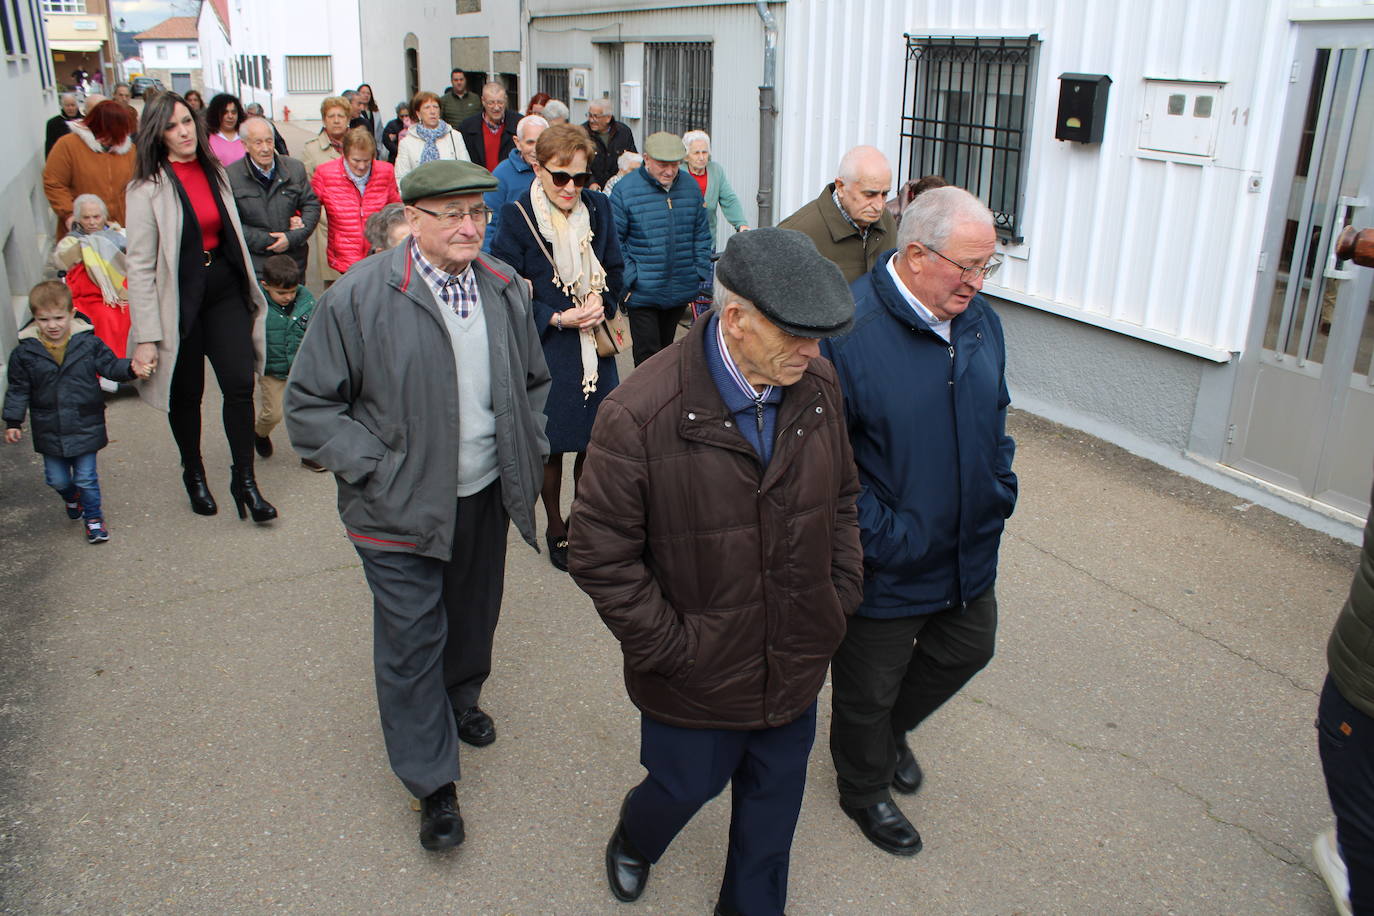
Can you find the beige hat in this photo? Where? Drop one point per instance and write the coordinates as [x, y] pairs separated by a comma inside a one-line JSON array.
[[665, 147]]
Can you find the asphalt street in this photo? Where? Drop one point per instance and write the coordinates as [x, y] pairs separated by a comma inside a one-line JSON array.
[[188, 722]]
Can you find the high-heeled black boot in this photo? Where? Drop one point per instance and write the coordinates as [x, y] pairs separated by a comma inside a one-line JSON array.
[[202, 501], [243, 486]]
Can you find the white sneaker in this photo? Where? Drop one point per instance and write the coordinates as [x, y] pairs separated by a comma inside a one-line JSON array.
[[1331, 867]]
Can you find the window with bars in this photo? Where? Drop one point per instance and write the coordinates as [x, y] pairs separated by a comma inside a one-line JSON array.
[[45, 74], [554, 81], [966, 117], [309, 73], [64, 6], [678, 86]]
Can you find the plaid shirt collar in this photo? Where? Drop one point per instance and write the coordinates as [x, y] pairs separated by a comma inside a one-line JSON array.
[[457, 291], [835, 196]]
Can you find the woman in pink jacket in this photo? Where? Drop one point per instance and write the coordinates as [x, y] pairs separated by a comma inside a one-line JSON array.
[[352, 189]]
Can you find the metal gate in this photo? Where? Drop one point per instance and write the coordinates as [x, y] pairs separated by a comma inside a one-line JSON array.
[[679, 86], [1303, 416]]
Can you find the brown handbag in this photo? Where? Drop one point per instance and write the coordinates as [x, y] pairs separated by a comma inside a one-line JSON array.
[[612, 335]]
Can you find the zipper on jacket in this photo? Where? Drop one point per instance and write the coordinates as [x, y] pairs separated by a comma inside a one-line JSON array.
[[951, 365]]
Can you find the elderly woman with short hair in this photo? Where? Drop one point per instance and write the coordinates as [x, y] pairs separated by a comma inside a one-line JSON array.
[[429, 138], [387, 228], [351, 189], [715, 187], [561, 238]]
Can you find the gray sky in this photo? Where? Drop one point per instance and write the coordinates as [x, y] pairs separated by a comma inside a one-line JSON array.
[[143, 14]]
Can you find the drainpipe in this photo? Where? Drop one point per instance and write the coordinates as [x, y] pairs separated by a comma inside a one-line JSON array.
[[767, 114]]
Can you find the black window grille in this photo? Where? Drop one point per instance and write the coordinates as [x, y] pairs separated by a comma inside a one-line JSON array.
[[966, 117], [40, 46], [5, 27], [19, 27], [554, 81], [678, 94]]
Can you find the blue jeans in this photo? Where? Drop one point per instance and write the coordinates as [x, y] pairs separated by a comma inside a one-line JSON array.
[[1345, 738], [73, 477]]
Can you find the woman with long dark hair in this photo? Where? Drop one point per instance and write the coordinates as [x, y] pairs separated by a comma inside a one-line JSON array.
[[192, 296]]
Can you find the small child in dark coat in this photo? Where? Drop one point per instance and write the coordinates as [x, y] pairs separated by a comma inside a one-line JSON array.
[[54, 377]]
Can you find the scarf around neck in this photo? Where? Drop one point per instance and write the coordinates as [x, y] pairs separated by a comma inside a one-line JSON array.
[[576, 270], [430, 134]]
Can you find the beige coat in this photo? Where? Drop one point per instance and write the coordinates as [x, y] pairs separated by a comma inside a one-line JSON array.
[[318, 150], [154, 227]]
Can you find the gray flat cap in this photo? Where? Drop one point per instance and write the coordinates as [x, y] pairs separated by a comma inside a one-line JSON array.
[[444, 177], [788, 280], [665, 147]]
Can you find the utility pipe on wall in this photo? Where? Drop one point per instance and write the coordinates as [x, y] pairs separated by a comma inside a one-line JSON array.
[[767, 114]]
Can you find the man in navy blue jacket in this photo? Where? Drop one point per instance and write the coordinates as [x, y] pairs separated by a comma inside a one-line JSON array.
[[923, 374]]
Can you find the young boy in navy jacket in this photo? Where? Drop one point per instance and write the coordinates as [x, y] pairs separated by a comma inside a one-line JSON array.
[[54, 377]]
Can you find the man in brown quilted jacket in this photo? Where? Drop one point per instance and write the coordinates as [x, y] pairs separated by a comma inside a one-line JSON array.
[[715, 530]]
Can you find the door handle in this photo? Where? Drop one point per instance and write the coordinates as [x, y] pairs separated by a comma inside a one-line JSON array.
[[1343, 207]]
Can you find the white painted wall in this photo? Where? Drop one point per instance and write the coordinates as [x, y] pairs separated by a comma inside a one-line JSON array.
[[26, 220], [178, 55], [1163, 250]]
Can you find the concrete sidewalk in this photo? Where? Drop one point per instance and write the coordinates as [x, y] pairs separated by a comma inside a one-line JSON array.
[[188, 725]]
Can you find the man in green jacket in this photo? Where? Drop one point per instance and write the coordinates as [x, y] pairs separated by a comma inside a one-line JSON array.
[[1345, 738], [456, 105], [848, 221]]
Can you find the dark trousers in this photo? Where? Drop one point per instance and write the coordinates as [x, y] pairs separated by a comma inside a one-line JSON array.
[[223, 333], [652, 329], [432, 628], [888, 676], [1345, 738], [688, 767]]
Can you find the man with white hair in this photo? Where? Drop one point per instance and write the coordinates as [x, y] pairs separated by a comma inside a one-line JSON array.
[[276, 203], [254, 110], [555, 112], [848, 221], [611, 138], [515, 175], [57, 125], [923, 374]]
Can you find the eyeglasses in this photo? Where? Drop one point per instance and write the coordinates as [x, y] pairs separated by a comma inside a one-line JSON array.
[[562, 178], [455, 217], [969, 274]]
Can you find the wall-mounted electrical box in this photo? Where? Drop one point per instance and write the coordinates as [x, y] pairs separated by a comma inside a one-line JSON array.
[[1181, 116], [631, 100], [1082, 107]]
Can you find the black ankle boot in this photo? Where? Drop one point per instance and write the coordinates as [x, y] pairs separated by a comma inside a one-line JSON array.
[[202, 502], [243, 486]]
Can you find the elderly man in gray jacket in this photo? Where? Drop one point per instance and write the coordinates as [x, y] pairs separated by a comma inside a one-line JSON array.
[[276, 203], [421, 384]]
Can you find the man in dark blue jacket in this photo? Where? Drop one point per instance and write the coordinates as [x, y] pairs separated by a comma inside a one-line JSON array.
[[665, 239], [923, 374]]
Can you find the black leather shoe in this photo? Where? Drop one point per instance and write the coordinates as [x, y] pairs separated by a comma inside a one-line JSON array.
[[197, 490], [907, 777], [558, 551], [441, 826], [886, 827], [475, 727], [626, 870], [243, 486], [263, 445]]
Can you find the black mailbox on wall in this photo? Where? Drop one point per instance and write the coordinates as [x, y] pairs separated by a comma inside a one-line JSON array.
[[1082, 107]]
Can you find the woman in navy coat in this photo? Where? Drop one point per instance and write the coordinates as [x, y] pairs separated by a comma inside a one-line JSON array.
[[562, 239]]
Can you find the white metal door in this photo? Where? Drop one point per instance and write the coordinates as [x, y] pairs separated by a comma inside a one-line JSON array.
[[1304, 411]]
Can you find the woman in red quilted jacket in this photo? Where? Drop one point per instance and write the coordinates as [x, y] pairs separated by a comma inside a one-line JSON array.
[[351, 189]]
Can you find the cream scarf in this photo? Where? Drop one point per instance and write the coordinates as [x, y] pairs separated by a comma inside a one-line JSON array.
[[576, 271]]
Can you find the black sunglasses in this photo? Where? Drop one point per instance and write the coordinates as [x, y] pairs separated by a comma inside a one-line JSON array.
[[561, 178]]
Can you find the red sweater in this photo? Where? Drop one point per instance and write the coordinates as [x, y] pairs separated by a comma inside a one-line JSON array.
[[192, 178]]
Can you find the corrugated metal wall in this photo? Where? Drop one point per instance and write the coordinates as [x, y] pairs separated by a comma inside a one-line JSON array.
[[736, 34], [1163, 250]]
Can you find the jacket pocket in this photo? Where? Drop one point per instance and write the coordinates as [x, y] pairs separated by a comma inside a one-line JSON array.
[[381, 479]]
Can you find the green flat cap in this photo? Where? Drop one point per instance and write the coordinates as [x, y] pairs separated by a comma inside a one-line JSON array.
[[444, 177], [665, 147]]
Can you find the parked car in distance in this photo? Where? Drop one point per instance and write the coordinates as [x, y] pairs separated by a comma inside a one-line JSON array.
[[141, 83]]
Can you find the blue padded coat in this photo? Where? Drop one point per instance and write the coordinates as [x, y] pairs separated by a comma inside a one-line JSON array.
[[927, 420], [664, 238]]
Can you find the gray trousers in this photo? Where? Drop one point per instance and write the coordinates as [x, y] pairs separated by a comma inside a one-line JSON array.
[[433, 623]]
